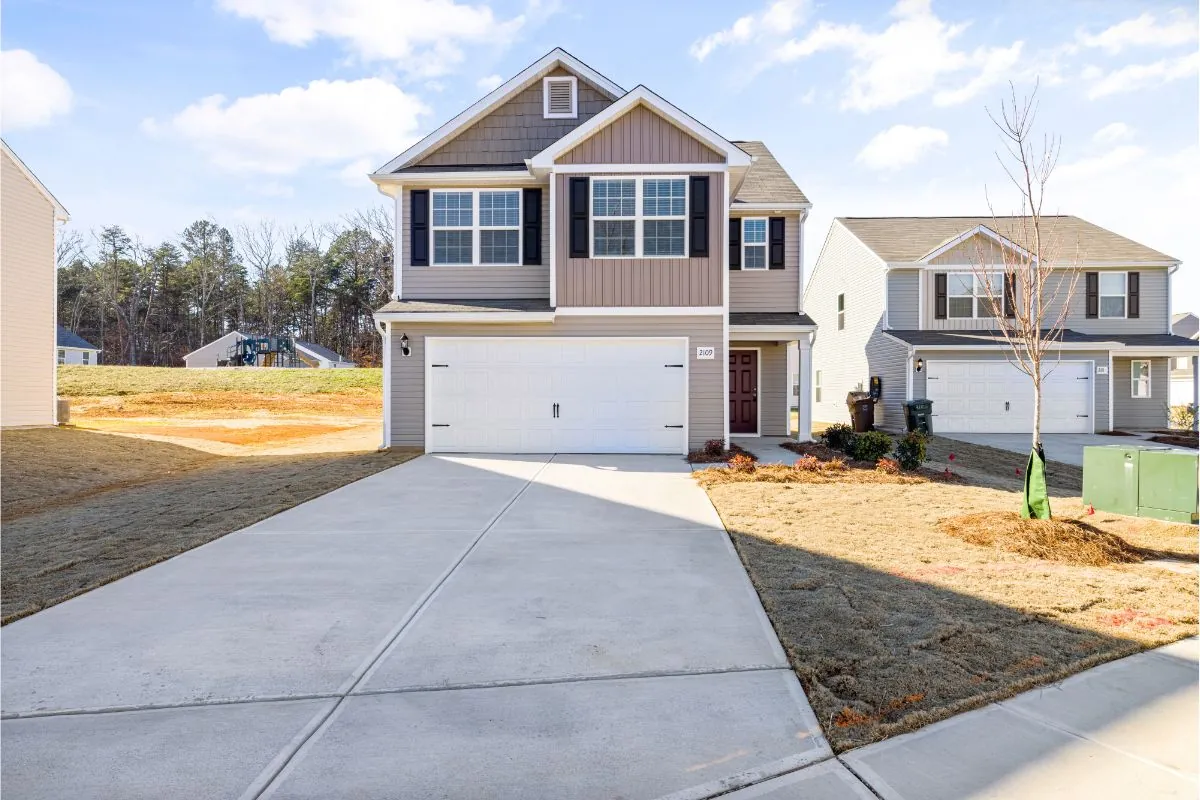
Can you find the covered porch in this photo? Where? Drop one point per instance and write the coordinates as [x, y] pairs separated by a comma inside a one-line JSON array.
[[770, 375]]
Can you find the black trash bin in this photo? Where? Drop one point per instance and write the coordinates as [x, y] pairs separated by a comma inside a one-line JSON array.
[[918, 416], [862, 411]]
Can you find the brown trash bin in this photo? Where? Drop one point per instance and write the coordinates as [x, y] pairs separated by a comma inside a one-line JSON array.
[[862, 411]]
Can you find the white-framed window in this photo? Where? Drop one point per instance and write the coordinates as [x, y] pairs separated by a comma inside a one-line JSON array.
[[1183, 362], [639, 217], [816, 387], [1139, 379], [85, 355], [754, 243], [62, 356], [560, 97], [1113, 303], [476, 227], [967, 294], [841, 312]]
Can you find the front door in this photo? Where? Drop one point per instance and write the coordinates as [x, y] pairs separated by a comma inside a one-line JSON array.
[[743, 391]]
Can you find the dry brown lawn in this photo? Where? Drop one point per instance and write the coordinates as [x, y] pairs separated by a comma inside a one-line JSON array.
[[892, 624], [81, 508]]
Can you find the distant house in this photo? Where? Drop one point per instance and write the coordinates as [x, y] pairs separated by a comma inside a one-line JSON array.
[[74, 349], [28, 213], [1183, 368], [216, 354]]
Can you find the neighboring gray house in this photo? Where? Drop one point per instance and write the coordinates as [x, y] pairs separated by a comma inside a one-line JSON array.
[[582, 268], [74, 349], [1183, 375], [896, 298]]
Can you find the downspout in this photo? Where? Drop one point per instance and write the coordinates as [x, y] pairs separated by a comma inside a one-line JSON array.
[[385, 331]]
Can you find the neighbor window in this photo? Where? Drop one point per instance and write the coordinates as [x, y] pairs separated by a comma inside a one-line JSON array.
[[493, 236], [85, 354], [967, 294], [1139, 372], [754, 243], [639, 217], [1182, 362], [1112, 295], [816, 387], [841, 312], [62, 356]]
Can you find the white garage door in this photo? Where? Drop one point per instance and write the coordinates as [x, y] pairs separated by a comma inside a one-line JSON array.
[[556, 395], [996, 397]]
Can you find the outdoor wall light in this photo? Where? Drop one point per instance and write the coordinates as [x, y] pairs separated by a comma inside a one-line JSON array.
[[920, 364], [405, 350]]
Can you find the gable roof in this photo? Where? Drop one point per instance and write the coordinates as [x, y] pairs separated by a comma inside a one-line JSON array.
[[912, 239], [766, 181], [60, 213], [318, 350], [1185, 324], [68, 338], [493, 99]]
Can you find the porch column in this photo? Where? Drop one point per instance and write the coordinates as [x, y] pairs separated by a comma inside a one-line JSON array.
[[804, 401]]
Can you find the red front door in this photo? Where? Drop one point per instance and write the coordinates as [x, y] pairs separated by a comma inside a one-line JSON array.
[[743, 391]]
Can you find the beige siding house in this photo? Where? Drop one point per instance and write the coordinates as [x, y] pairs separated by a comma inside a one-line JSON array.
[[28, 213], [581, 268], [900, 299]]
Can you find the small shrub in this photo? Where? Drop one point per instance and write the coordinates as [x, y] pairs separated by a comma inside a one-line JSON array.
[[714, 447], [835, 465], [910, 450], [888, 466], [870, 446], [1182, 417], [838, 436], [808, 464], [741, 463]]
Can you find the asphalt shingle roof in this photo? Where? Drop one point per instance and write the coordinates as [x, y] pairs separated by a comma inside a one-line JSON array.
[[926, 338], [769, 318], [1071, 238], [68, 338], [766, 180], [323, 352]]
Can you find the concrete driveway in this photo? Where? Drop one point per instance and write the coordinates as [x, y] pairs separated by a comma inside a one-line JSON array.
[[1065, 448], [460, 627]]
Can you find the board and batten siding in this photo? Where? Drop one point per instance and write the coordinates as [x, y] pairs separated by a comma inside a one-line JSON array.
[[27, 301], [770, 289], [641, 136], [773, 398], [1099, 382], [659, 282], [706, 386], [845, 266], [516, 130], [904, 293], [1141, 413], [453, 282]]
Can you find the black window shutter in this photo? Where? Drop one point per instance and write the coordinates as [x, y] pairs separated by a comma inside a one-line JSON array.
[[698, 217], [939, 295], [418, 236], [1134, 302], [735, 244], [578, 216], [531, 226], [1091, 308], [775, 242], [1010, 294]]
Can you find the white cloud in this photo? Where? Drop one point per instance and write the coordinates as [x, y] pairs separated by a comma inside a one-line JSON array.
[[327, 123], [489, 82], [32, 94], [911, 57], [422, 37], [1144, 31], [901, 146], [1141, 76], [809, 97], [1095, 166], [777, 19], [1112, 133]]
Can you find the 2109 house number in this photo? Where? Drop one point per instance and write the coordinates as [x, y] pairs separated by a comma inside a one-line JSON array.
[[706, 353]]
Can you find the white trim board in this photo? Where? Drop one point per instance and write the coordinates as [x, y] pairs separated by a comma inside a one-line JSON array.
[[465, 316], [60, 213], [621, 169], [983, 230]]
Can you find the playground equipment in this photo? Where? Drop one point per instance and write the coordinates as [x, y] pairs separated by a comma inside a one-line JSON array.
[[264, 351]]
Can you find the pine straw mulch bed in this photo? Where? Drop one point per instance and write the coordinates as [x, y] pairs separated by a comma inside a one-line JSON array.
[[892, 624], [1177, 438], [819, 464], [714, 456]]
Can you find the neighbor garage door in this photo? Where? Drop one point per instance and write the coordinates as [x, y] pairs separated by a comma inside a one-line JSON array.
[[996, 397], [556, 395]]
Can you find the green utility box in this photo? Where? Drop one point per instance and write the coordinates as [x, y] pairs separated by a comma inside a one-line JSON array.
[[1141, 481]]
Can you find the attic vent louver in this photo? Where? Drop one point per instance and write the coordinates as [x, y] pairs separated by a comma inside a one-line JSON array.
[[559, 98]]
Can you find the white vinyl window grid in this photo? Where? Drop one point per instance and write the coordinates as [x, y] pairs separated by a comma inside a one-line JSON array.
[[639, 216], [841, 312], [555, 85], [977, 294], [754, 243], [62, 356], [1139, 384], [1117, 289], [475, 228]]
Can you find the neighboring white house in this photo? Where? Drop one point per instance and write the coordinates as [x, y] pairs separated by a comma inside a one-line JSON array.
[[310, 355], [28, 213], [74, 349], [1182, 376]]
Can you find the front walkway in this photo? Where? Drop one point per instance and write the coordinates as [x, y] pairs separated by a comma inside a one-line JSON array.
[[505, 627]]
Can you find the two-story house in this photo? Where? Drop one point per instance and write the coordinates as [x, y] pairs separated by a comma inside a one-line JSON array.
[[903, 299], [581, 268]]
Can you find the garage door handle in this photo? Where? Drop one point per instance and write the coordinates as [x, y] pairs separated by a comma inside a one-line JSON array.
[[554, 410], [680, 366], [441, 425], [1083, 416], [672, 426], [1006, 405]]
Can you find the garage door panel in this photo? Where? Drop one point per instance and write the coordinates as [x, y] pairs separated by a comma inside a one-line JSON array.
[[996, 397]]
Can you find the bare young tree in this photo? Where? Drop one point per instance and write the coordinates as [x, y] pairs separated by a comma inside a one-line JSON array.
[[260, 246]]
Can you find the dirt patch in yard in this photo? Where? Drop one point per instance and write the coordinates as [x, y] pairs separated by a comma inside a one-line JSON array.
[[1176, 438], [995, 464], [219, 405], [892, 624]]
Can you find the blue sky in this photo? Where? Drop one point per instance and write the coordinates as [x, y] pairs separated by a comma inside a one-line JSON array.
[[153, 114]]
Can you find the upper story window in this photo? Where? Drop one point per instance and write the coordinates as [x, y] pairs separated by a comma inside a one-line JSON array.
[[462, 237], [754, 243], [639, 217], [1112, 295], [560, 97], [967, 294]]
